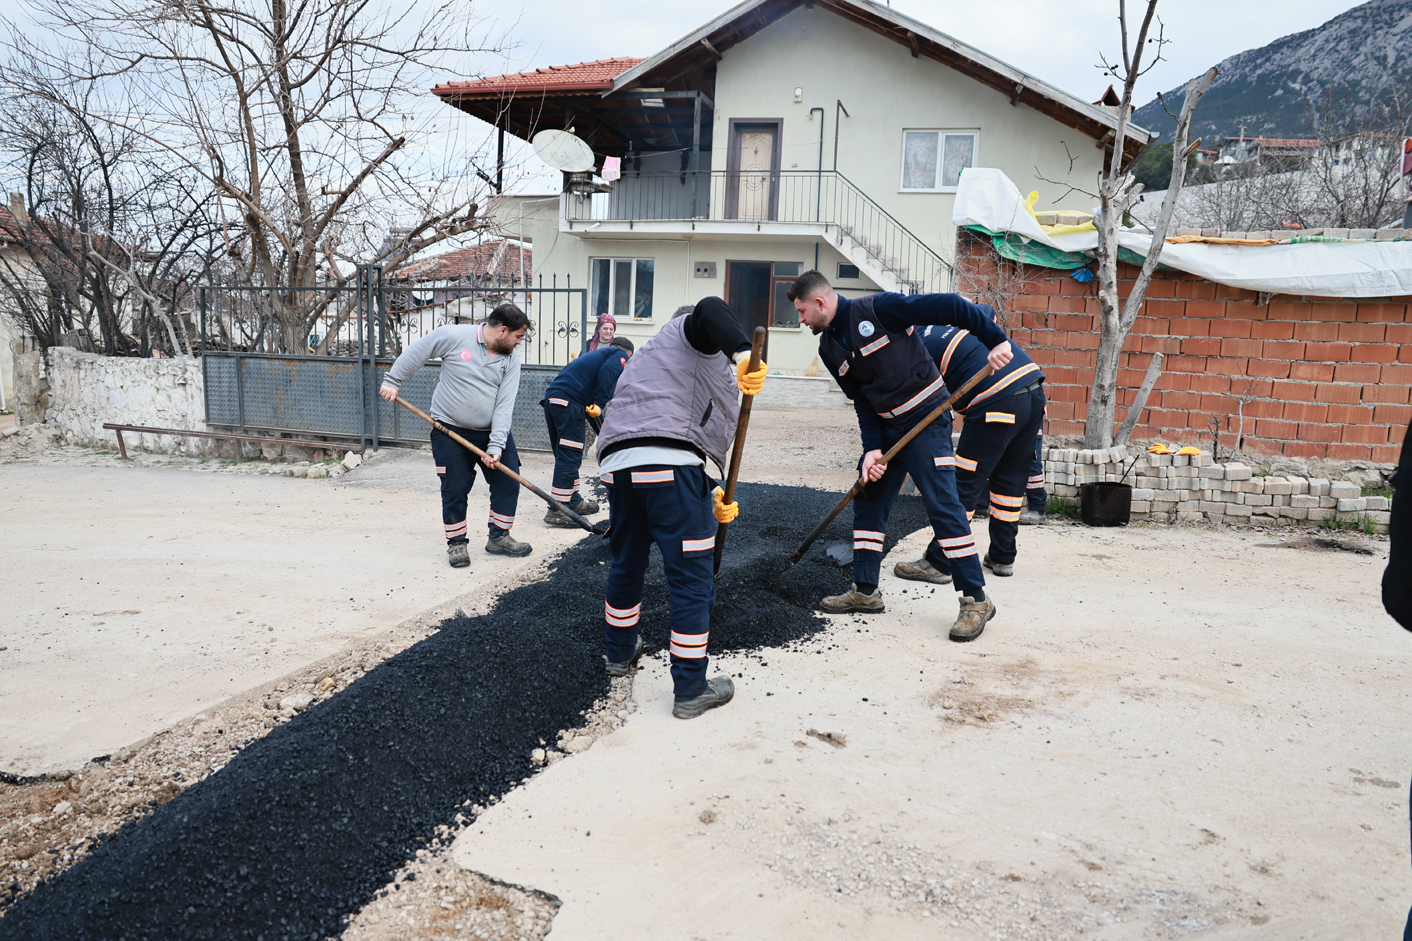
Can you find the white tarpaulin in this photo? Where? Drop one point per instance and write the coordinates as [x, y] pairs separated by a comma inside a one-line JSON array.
[[986, 197]]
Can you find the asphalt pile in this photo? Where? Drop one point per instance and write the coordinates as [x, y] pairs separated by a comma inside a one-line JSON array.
[[307, 824]]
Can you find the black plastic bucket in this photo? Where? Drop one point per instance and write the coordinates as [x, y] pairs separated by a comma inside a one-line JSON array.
[[1105, 504]]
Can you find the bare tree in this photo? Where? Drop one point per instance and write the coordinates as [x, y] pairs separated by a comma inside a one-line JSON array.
[[1117, 192], [297, 117], [994, 279]]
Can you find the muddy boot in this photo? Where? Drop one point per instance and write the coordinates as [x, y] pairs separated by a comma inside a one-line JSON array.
[[853, 600], [719, 690], [972, 619], [458, 554], [1032, 517], [622, 669], [507, 545], [585, 507], [921, 571], [982, 512], [1002, 569], [556, 518]]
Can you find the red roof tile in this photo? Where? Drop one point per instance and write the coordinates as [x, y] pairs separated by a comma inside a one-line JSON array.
[[493, 261], [581, 76]]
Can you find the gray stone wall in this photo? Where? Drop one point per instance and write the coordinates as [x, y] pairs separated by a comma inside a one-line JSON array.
[[87, 390]]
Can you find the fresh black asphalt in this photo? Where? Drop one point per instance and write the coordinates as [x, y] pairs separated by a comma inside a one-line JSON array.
[[306, 825]]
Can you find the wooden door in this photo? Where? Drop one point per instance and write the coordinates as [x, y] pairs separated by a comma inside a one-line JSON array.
[[752, 170]]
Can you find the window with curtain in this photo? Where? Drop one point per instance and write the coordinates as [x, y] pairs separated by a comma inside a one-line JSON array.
[[621, 287], [932, 160]]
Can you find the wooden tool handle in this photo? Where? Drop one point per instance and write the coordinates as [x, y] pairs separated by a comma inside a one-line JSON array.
[[554, 504], [756, 346], [892, 452]]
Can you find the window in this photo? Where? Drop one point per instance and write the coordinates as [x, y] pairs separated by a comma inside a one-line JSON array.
[[621, 287], [847, 272], [932, 161], [783, 275]]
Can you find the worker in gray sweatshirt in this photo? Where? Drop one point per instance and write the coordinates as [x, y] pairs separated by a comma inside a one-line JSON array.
[[474, 397]]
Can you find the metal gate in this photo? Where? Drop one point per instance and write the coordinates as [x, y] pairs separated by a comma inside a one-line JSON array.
[[350, 336]]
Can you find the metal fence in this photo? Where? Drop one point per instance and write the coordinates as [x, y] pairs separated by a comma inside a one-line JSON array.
[[826, 197], [309, 361]]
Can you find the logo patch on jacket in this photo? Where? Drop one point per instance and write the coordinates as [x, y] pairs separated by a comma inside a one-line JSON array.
[[465, 356], [866, 328]]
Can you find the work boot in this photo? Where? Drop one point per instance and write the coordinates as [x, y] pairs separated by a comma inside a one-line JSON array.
[[458, 555], [982, 512], [506, 544], [921, 570], [585, 507], [852, 601], [719, 690], [622, 669], [1032, 517], [1002, 569], [556, 518], [972, 619]]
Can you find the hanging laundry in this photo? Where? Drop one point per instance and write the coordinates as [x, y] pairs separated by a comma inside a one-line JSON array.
[[612, 169]]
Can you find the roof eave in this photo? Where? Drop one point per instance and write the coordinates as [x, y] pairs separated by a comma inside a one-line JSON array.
[[501, 91]]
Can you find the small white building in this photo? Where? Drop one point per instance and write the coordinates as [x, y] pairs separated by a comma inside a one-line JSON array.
[[781, 136]]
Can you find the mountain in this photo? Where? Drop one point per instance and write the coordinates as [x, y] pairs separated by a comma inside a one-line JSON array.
[[1268, 90]]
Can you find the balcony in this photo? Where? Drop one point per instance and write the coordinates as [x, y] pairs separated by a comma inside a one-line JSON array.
[[806, 204]]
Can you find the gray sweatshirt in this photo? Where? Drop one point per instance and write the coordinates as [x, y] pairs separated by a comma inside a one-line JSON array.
[[477, 388]]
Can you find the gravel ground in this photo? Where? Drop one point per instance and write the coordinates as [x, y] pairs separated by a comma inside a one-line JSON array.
[[290, 835]]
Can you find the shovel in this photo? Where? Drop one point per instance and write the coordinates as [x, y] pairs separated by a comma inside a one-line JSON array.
[[597, 529], [860, 483], [741, 424]]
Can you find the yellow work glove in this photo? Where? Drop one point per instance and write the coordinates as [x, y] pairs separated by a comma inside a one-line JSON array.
[[593, 411], [750, 382], [1190, 450], [1159, 448], [725, 512]]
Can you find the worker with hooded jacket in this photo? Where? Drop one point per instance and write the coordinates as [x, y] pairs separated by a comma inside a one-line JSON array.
[[871, 346], [676, 406], [582, 389], [1004, 413]]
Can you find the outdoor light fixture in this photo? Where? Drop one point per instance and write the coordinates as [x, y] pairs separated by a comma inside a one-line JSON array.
[[798, 95]]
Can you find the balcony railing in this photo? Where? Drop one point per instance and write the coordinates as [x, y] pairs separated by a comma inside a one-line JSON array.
[[760, 196]]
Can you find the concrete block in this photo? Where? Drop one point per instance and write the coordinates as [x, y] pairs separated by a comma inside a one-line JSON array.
[[1142, 506], [1265, 518], [1164, 496], [1189, 506], [1259, 235], [1344, 490], [1143, 493], [1085, 457], [1319, 514], [1278, 485], [1202, 460], [1293, 513], [1386, 235], [1214, 507], [1304, 500], [1233, 509], [1298, 484], [1162, 460], [1280, 500], [1378, 503], [1253, 485], [1257, 499], [1188, 231], [1328, 503], [1237, 472], [1362, 235], [1352, 504], [1318, 486], [1181, 460], [1336, 233], [1381, 517], [1191, 517], [1211, 233], [1212, 472]]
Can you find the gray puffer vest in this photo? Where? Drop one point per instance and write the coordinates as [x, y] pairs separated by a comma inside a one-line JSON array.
[[670, 390]]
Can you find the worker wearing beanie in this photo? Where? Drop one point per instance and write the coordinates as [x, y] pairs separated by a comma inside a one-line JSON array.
[[873, 350], [1004, 414], [676, 405], [582, 388]]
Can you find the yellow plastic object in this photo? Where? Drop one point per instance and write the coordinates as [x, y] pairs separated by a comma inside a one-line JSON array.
[[592, 411], [1029, 204], [750, 382], [725, 512], [1159, 448], [1189, 450]]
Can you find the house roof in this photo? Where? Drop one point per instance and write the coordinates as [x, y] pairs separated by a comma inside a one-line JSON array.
[[595, 76], [557, 97], [488, 261], [1277, 141], [703, 46]]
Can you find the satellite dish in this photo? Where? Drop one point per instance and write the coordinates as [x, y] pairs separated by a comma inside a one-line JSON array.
[[563, 151]]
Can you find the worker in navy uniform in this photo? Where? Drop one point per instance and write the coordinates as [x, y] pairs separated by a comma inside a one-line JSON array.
[[582, 388], [676, 406], [1035, 495], [1003, 414], [872, 347]]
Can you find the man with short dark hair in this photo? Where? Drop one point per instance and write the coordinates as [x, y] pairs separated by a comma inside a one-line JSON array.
[[873, 350], [582, 388], [474, 397]]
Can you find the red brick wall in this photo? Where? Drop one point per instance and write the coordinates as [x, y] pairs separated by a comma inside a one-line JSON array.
[[1325, 377]]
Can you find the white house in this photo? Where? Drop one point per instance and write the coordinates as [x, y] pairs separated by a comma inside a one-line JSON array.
[[782, 135]]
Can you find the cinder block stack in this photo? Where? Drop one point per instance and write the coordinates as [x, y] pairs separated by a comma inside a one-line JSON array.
[[1195, 488]]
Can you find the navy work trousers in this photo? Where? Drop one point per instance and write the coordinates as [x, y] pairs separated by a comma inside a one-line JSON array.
[[669, 506], [564, 420], [998, 446], [1035, 493], [456, 467], [929, 461]]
